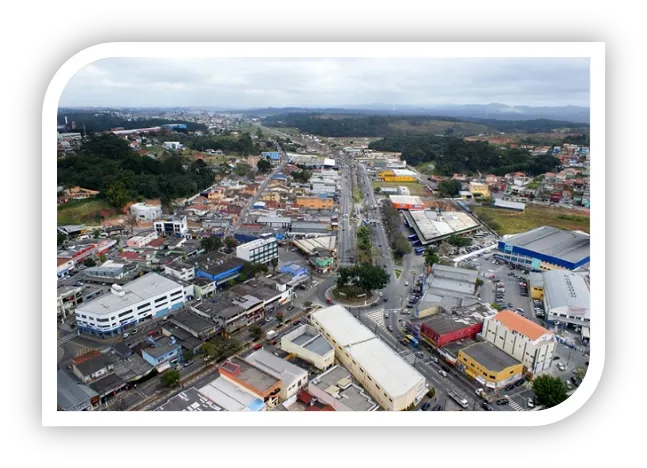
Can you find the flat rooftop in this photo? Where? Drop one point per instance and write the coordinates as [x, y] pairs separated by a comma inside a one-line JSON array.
[[189, 400], [489, 356], [431, 225], [444, 324], [136, 291], [339, 384], [572, 246], [563, 288], [277, 367], [192, 321], [251, 375], [309, 338]]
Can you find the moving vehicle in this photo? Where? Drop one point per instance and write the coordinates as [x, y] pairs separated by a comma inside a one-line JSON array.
[[390, 328], [561, 366], [258, 346], [458, 398], [381, 294], [411, 340], [134, 332], [530, 402], [271, 334], [437, 408], [509, 387], [406, 283], [426, 406], [420, 355], [386, 298], [386, 314], [442, 372], [502, 402], [486, 407]]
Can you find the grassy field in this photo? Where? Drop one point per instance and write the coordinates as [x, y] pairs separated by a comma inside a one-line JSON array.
[[397, 272], [414, 187], [512, 222], [82, 211], [357, 195]]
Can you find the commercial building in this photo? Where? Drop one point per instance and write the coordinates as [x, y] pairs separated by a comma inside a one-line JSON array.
[[337, 389], [404, 202], [142, 239], [64, 266], [390, 380], [433, 226], [509, 205], [274, 221], [307, 343], [443, 329], [252, 379], [479, 189], [522, 339], [447, 288], [488, 365], [151, 295], [172, 226], [163, 353], [259, 251], [308, 229], [323, 261], [146, 212], [312, 245], [317, 203], [566, 299], [72, 395], [536, 285], [111, 270], [218, 269], [230, 397], [189, 400], [197, 326], [292, 377], [180, 270], [397, 175], [273, 155], [546, 248]]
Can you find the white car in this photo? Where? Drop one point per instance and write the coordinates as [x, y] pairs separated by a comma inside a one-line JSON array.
[[406, 283], [561, 366], [442, 372]]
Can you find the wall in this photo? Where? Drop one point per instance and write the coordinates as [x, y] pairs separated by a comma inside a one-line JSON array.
[[480, 373], [315, 202], [320, 362], [441, 340]]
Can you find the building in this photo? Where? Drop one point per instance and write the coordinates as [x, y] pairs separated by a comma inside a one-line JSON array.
[[317, 203], [274, 221], [180, 270], [404, 202], [172, 226], [536, 285], [523, 339], [545, 248], [566, 299], [146, 212], [447, 288], [509, 205], [443, 329], [479, 189], [389, 379], [189, 400], [252, 379], [149, 296], [194, 324], [323, 261], [72, 395], [337, 389], [397, 175], [173, 145], [294, 269], [217, 268], [142, 239], [433, 226], [163, 353], [306, 229], [307, 343], [78, 254], [259, 251], [489, 365], [111, 270], [230, 397], [292, 377], [64, 266], [273, 155], [312, 245]]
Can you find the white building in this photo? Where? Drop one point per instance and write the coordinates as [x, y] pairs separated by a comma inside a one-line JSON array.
[[566, 299], [259, 250], [336, 388], [307, 343], [173, 145], [172, 226], [390, 380], [523, 339], [292, 378], [180, 270], [142, 239], [146, 297], [145, 212], [230, 397]]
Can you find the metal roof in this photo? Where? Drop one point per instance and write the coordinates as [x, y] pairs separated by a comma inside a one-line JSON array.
[[489, 356], [572, 246], [563, 288], [277, 367]]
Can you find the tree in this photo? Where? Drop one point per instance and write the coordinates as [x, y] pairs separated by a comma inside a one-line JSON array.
[[257, 332], [231, 283], [366, 276], [187, 355], [211, 243], [242, 169], [279, 317], [117, 195], [95, 234], [431, 392], [231, 242], [449, 188], [263, 165], [550, 391], [479, 282], [60, 238], [103, 258], [431, 257], [171, 378], [458, 241], [89, 262], [274, 262]]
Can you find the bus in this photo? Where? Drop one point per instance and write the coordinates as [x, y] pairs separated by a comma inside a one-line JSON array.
[[458, 398], [416, 243], [412, 237], [420, 250], [411, 340]]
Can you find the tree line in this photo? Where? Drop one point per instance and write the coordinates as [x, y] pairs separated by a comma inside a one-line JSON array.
[[104, 121], [399, 244]]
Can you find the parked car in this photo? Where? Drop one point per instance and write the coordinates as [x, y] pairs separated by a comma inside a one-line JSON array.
[[126, 335], [555, 358], [530, 402], [502, 402], [561, 366], [519, 383], [437, 408], [134, 332], [509, 387], [426, 406], [258, 346], [486, 407]]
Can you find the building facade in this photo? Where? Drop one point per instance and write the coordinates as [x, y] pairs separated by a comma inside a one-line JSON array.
[[259, 250], [145, 212], [489, 365], [318, 203], [172, 226]]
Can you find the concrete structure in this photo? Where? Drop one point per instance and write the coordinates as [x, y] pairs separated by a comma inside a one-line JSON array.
[[446, 288], [311, 246], [397, 175], [566, 299], [111, 270], [488, 365], [317, 203], [142, 239], [337, 389], [194, 324], [404, 202], [546, 248], [230, 397], [72, 395], [145, 212], [522, 339], [259, 250], [390, 380], [479, 189], [443, 329], [307, 343], [536, 285], [173, 145], [509, 205], [149, 296], [292, 378], [64, 266], [172, 226], [432, 226], [305, 228], [180, 270], [274, 221], [189, 400], [252, 379], [163, 353]]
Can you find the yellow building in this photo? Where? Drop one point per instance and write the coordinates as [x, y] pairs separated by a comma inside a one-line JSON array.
[[489, 365], [315, 202], [397, 175], [478, 188], [271, 196], [536, 285]]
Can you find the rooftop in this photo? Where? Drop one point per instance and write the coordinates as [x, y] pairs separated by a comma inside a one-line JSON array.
[[134, 292], [163, 346], [566, 289], [339, 384], [571, 246], [192, 321], [489, 356], [522, 325], [250, 374], [277, 367], [189, 400], [406, 199], [70, 392], [431, 225], [230, 397]]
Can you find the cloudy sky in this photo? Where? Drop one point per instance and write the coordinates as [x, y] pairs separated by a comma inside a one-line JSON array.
[[329, 82]]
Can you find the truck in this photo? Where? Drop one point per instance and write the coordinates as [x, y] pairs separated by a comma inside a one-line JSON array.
[[458, 398], [271, 334]]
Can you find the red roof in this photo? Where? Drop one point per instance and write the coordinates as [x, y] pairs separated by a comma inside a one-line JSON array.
[[304, 396], [130, 256], [61, 261], [157, 242]]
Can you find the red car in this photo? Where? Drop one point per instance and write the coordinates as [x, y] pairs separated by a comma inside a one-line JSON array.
[[258, 346]]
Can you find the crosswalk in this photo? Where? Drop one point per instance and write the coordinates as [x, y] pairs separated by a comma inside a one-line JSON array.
[[82, 351], [515, 406], [66, 338], [377, 316]]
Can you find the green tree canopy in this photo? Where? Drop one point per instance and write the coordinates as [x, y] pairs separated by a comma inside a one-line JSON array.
[[550, 391], [449, 188], [366, 276], [263, 165], [171, 378], [211, 243], [90, 262]]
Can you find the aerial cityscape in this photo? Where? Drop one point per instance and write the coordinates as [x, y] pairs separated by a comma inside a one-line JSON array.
[[359, 235]]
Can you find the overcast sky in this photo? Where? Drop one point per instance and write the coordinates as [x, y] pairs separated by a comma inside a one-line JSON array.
[[329, 82]]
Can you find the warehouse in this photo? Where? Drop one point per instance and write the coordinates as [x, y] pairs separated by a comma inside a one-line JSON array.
[[509, 205], [566, 299], [488, 365], [404, 202], [433, 226], [389, 379], [545, 248], [447, 288], [397, 175]]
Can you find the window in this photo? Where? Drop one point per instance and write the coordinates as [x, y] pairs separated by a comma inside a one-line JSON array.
[[492, 377], [103, 320], [160, 299], [377, 386], [140, 307], [176, 293], [369, 378]]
